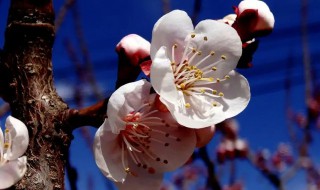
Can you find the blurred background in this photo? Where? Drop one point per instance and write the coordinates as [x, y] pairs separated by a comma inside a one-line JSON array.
[[280, 126]]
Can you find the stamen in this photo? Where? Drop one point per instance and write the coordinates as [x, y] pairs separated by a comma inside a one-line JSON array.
[[223, 57], [187, 105], [221, 94], [205, 38], [172, 52], [193, 35]]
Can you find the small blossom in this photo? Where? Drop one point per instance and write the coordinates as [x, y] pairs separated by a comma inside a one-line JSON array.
[[13, 144], [137, 142], [192, 70]]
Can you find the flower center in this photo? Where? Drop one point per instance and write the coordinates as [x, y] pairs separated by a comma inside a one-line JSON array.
[[192, 77], [139, 135]]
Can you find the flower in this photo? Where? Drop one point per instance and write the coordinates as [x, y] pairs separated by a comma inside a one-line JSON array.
[[137, 143], [192, 70], [13, 145]]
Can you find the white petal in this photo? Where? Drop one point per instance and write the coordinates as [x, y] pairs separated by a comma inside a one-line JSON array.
[[20, 138], [162, 78], [170, 29], [195, 117], [12, 172], [107, 153], [127, 98], [173, 145], [223, 40], [236, 92], [142, 180]]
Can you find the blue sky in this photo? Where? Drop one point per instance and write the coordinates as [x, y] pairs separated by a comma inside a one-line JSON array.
[[262, 123]]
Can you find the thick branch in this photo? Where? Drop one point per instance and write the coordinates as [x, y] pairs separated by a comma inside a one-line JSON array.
[[27, 85]]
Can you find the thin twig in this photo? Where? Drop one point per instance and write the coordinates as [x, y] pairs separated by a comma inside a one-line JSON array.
[[62, 13], [272, 177], [85, 53], [212, 181], [166, 7]]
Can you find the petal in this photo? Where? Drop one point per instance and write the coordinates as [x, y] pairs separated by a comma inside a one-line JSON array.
[[12, 171], [170, 29], [236, 92], [1, 143], [19, 138], [162, 78], [204, 135], [223, 40], [107, 153], [200, 114], [142, 180], [127, 98], [173, 145]]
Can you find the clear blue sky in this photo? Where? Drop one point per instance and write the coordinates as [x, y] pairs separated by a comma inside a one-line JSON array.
[[262, 123]]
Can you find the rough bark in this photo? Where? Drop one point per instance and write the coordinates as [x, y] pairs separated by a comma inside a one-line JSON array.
[[27, 85]]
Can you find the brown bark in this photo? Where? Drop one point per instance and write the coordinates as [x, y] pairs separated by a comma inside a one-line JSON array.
[[27, 85]]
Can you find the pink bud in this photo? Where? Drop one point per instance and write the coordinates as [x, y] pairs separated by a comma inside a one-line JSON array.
[[265, 16], [133, 51], [258, 14], [134, 47]]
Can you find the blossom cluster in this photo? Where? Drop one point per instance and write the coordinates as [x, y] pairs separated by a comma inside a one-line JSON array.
[[153, 127]]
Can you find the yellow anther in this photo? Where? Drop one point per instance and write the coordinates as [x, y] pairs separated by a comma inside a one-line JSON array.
[[6, 145], [214, 92], [202, 91], [6, 130], [205, 38], [214, 68], [173, 63], [215, 104], [193, 35], [223, 57], [187, 105], [212, 53], [227, 77], [182, 85], [194, 50], [218, 80], [175, 45], [221, 94], [199, 53]]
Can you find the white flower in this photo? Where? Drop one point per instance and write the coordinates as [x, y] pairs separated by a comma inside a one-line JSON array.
[[13, 145], [137, 143], [192, 70]]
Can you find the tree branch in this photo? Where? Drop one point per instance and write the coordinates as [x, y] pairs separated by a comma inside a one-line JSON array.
[[93, 115]]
